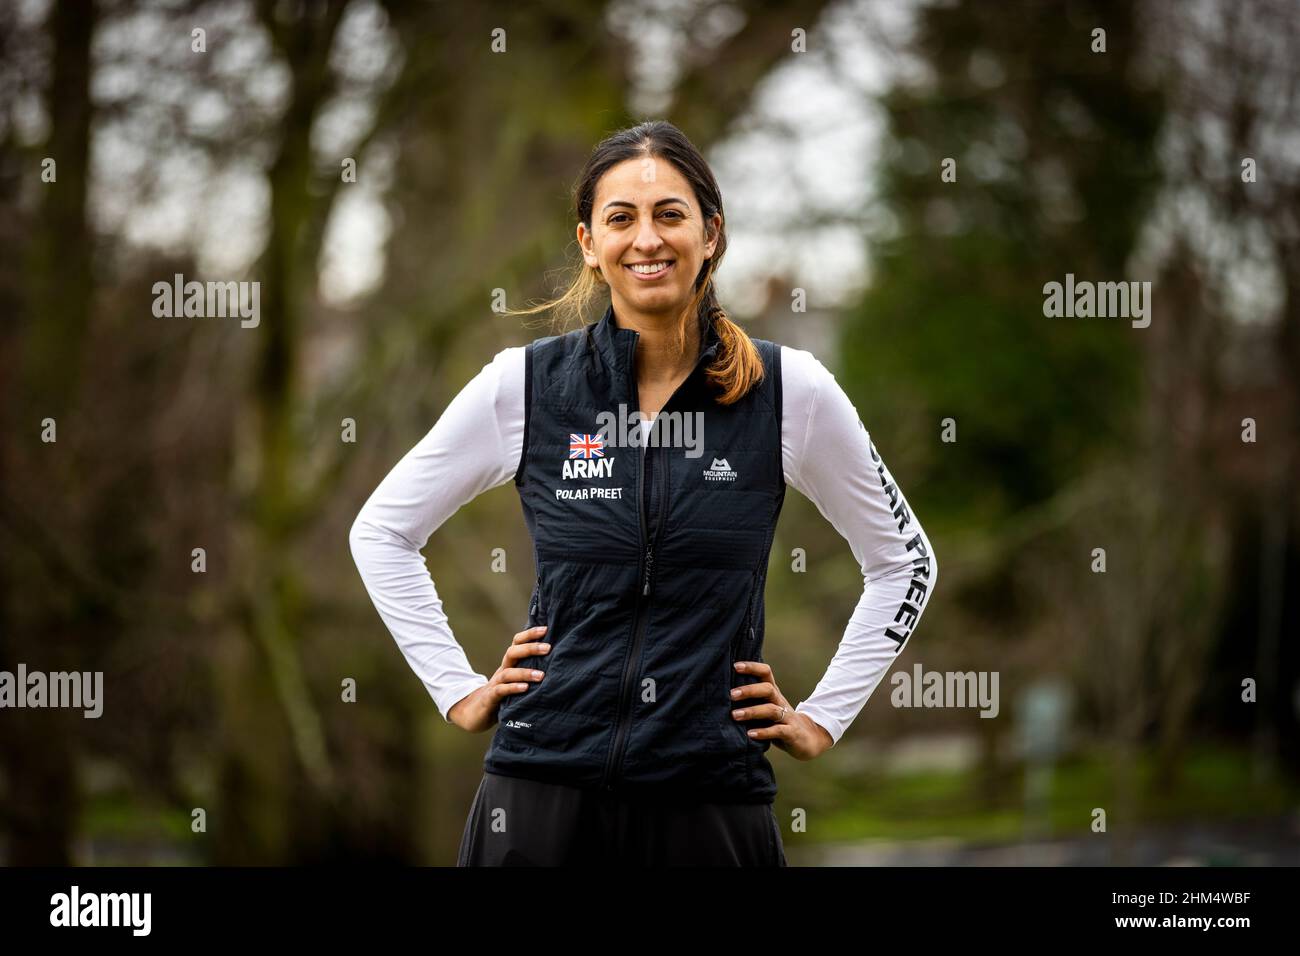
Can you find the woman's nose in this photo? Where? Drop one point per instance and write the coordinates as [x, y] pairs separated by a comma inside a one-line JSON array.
[[647, 236]]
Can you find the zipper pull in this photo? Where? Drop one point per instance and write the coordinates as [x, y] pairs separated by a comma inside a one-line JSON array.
[[649, 563]]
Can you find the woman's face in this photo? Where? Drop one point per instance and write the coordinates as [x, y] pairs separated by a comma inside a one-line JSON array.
[[645, 212]]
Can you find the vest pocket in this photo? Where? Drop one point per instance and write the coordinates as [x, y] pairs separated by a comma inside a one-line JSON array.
[[744, 643], [536, 616], [741, 645]]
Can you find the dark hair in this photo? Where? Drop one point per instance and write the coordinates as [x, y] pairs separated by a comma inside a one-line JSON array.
[[737, 366]]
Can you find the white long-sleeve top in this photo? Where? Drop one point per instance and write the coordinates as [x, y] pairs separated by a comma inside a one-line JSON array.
[[827, 455]]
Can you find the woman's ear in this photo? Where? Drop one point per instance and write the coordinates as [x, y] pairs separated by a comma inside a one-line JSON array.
[[580, 234], [713, 231], [584, 243]]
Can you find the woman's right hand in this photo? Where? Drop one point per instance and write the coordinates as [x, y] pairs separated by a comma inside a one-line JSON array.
[[477, 711]]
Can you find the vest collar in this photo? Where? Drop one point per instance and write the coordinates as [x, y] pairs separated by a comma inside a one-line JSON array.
[[617, 346]]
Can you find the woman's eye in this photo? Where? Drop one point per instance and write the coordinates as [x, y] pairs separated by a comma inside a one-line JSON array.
[[620, 217]]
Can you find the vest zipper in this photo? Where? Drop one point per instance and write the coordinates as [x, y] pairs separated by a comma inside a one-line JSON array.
[[614, 762], [638, 619], [747, 631], [741, 652], [534, 619], [535, 608]]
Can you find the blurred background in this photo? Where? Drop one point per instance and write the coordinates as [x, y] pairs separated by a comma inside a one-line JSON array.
[[215, 140]]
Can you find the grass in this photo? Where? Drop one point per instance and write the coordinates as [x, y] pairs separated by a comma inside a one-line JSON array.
[[1213, 783], [127, 833]]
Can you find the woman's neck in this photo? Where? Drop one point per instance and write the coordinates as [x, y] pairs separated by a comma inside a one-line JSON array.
[[657, 361]]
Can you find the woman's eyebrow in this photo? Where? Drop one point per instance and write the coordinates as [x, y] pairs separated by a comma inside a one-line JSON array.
[[624, 202]]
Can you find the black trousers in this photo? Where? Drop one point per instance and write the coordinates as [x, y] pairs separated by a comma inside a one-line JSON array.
[[519, 822]]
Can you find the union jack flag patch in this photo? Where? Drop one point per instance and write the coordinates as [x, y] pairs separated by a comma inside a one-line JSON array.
[[586, 446]]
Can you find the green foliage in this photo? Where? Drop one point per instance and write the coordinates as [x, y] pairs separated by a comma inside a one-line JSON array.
[[1055, 170]]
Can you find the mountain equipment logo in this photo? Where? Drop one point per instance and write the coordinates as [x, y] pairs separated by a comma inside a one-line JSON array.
[[719, 471]]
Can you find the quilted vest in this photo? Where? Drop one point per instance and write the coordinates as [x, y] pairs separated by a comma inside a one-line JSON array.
[[651, 560]]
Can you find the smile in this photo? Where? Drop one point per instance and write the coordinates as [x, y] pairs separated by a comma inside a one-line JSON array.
[[650, 271]]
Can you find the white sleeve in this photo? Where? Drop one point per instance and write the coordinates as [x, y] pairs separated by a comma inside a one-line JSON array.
[[475, 445], [830, 458]]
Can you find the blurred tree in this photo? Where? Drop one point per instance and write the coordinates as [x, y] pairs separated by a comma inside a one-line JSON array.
[[1017, 153], [225, 686], [39, 754]]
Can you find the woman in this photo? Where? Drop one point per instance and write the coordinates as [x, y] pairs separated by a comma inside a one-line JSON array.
[[651, 451]]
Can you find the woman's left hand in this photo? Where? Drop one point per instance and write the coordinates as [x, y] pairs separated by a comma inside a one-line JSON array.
[[798, 735]]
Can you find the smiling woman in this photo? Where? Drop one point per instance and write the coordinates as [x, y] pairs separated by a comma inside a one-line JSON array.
[[652, 229], [656, 249], [620, 216], [634, 713]]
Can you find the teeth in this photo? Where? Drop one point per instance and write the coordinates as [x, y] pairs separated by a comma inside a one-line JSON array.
[[649, 269]]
